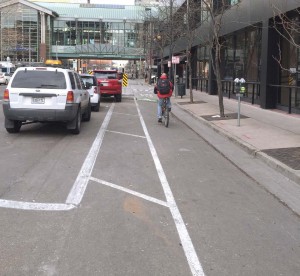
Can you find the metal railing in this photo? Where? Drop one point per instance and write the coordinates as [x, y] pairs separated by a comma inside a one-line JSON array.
[[200, 84], [252, 91], [288, 96]]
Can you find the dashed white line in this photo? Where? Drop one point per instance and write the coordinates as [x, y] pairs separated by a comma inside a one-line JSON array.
[[188, 247], [149, 198]]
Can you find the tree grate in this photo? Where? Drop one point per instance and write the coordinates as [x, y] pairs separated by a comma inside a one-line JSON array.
[[288, 156]]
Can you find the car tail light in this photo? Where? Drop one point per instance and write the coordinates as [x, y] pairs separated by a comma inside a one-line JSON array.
[[70, 97], [6, 95]]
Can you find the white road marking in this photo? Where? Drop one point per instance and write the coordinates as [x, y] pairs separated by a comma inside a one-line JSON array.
[[127, 114], [78, 189], [35, 206], [149, 198], [123, 133], [147, 100], [188, 247]]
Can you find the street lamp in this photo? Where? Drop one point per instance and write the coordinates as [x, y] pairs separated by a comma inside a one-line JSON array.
[[171, 40], [124, 21], [151, 37], [57, 41]]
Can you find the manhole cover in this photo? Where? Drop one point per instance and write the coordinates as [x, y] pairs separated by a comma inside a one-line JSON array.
[[288, 156]]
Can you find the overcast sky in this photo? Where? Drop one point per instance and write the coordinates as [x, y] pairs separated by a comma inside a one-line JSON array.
[[119, 2]]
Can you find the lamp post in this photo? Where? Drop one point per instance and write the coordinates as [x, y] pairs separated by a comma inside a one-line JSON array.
[[171, 40], [151, 38], [57, 41], [159, 43], [124, 21]]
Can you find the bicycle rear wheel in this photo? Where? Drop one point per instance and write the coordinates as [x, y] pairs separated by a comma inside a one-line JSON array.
[[166, 117]]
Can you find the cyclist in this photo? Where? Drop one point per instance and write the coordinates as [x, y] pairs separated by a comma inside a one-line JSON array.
[[163, 89]]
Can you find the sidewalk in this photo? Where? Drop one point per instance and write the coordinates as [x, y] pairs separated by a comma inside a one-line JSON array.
[[270, 135]]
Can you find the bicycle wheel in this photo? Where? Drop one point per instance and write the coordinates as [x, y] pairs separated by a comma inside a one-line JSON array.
[[166, 116]]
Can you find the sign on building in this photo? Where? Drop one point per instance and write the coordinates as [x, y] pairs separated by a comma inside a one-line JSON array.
[[175, 60]]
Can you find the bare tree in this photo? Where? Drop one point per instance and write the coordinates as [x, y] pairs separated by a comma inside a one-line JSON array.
[[164, 26], [214, 11], [191, 18], [288, 27]]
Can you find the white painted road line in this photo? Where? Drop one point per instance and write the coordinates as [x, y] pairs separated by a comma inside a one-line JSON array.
[[123, 133], [35, 206], [188, 247], [78, 189], [149, 198], [126, 114]]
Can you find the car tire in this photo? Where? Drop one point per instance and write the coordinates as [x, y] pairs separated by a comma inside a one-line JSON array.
[[16, 127], [118, 97], [87, 114], [77, 122], [97, 107]]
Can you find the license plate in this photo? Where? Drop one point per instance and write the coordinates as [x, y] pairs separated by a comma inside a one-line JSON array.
[[104, 84], [38, 100]]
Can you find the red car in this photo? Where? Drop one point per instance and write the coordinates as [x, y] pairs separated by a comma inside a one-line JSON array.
[[110, 82]]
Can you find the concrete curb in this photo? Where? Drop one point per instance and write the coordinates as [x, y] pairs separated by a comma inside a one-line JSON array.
[[271, 162]]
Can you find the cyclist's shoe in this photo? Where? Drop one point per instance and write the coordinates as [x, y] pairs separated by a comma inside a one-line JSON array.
[[159, 120], [169, 109]]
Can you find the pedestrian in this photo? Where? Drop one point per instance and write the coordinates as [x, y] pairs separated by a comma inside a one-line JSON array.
[[163, 89], [146, 77]]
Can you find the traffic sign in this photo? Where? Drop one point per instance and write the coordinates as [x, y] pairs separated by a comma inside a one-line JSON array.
[[125, 80], [175, 60]]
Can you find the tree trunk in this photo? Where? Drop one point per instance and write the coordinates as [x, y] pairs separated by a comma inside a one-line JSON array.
[[188, 54], [219, 82]]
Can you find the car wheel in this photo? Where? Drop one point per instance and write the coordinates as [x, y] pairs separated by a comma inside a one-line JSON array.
[[118, 97], [16, 127], [76, 130], [87, 115]]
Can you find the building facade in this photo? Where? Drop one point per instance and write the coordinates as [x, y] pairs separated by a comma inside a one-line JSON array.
[[33, 31], [258, 46]]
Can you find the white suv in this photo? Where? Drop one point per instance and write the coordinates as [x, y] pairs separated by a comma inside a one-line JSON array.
[[45, 94], [93, 88]]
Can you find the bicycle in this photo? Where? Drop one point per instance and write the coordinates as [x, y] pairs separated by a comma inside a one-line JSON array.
[[165, 112]]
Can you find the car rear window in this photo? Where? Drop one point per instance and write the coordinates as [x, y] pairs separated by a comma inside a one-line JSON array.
[[106, 75], [89, 79], [39, 79]]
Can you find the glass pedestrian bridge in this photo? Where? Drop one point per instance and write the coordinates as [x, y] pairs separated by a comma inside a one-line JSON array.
[[38, 30]]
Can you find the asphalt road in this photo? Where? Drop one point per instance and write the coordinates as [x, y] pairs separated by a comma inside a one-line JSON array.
[[128, 196]]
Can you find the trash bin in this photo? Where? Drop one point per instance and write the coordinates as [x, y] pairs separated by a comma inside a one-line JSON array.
[[181, 89]]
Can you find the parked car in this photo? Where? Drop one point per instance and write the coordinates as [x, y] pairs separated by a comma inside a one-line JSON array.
[[4, 78], [110, 82], [93, 88], [45, 94]]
